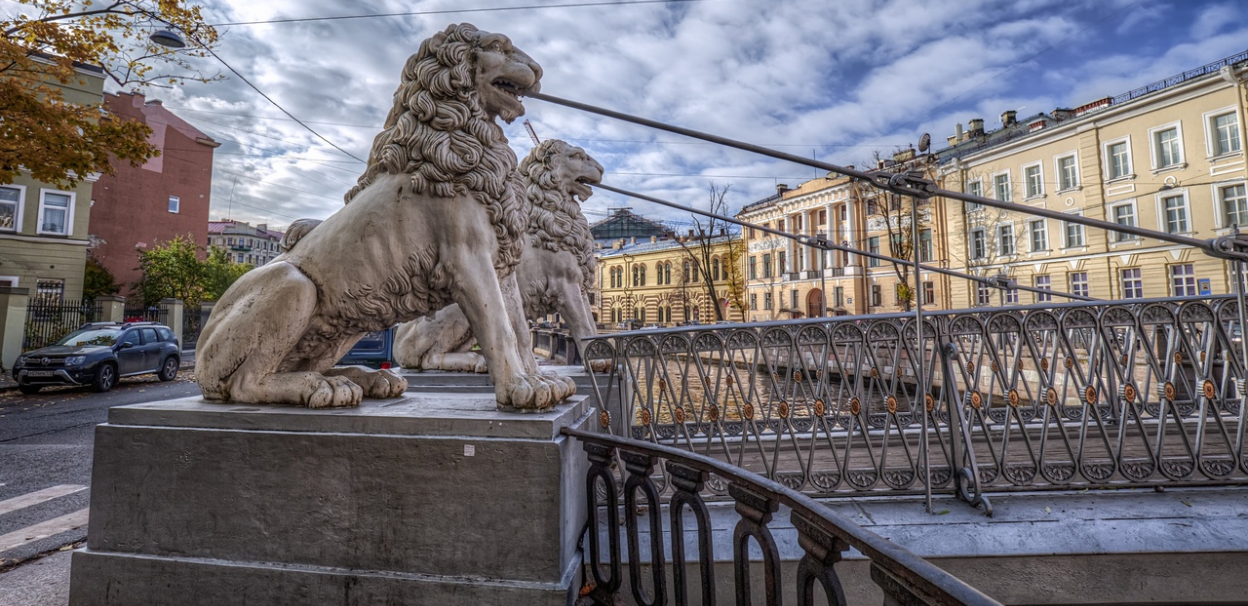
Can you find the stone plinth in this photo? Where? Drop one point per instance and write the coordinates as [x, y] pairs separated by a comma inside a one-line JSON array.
[[429, 499]]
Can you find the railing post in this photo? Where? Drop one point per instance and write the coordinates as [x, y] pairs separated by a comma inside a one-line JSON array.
[[171, 309], [823, 551], [112, 308], [13, 303], [689, 483], [756, 510]]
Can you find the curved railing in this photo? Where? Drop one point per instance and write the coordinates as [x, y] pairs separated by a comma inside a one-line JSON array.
[[904, 577]]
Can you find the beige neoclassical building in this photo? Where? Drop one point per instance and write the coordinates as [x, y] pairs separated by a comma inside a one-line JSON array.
[[1168, 157]]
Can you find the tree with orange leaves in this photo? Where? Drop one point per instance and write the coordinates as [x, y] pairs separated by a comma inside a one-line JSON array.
[[61, 142]]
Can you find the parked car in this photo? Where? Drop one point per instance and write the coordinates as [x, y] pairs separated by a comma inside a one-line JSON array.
[[374, 350], [100, 353]]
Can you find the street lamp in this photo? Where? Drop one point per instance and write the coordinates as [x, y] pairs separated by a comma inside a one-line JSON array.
[[168, 38]]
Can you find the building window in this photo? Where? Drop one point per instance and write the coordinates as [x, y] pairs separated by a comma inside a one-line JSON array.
[[636, 276], [753, 268], [1074, 235], [793, 299], [1167, 148], [1234, 205], [1067, 173], [982, 295], [823, 216], [877, 299], [175, 204], [929, 293], [873, 246], [49, 290], [240, 257], [1079, 283], [1001, 186], [753, 302], [667, 272], [1119, 157], [782, 262], [1044, 283], [1224, 133], [643, 275], [766, 267], [925, 245], [715, 270], [780, 225], [1011, 296], [1175, 209], [1034, 179], [1183, 280], [979, 244], [975, 188], [838, 296], [1124, 214], [56, 212], [767, 304], [11, 207], [1005, 239], [1132, 284], [1039, 232]]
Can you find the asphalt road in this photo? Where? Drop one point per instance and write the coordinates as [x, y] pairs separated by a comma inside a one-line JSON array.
[[46, 443]]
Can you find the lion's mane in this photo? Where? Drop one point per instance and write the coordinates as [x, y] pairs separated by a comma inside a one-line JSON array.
[[555, 220], [438, 134]]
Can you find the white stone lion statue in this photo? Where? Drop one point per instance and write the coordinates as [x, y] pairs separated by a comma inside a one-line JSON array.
[[556, 269], [437, 218]]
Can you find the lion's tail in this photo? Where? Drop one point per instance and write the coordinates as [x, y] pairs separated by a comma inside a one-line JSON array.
[[296, 232]]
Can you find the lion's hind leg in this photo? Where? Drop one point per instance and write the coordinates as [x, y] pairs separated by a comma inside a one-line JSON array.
[[254, 329]]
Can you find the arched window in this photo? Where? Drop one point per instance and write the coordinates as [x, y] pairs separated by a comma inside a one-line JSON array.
[[667, 270], [643, 276], [635, 280], [695, 272], [685, 276], [715, 268]]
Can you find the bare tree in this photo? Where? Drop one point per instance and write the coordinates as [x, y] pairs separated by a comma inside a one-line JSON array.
[[701, 252], [890, 213]]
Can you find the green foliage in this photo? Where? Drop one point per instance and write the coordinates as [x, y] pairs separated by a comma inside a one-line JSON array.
[[174, 270], [98, 281], [220, 272]]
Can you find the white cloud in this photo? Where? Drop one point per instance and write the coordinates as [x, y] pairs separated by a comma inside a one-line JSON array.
[[839, 79]]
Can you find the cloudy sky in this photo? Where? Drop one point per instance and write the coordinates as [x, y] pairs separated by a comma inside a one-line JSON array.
[[839, 80]]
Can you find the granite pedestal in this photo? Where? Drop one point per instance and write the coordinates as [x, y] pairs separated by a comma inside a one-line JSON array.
[[428, 499]]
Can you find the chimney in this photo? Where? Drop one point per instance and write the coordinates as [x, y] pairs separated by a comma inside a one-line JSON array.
[[1008, 118], [262, 227], [781, 188], [654, 239], [632, 240], [615, 244], [958, 133], [691, 234], [975, 127]]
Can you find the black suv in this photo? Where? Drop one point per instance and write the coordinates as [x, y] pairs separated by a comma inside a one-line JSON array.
[[98, 354]]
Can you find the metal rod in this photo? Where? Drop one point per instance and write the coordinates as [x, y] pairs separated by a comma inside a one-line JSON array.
[[920, 372], [819, 243], [872, 177]]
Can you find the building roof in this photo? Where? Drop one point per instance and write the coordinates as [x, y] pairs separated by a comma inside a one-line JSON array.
[[653, 247], [624, 223], [227, 226], [1039, 123]]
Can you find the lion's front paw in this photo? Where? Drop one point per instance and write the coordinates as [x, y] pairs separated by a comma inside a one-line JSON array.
[[381, 384], [535, 392], [332, 392]]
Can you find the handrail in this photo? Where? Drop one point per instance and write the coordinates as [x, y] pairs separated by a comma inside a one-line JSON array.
[[933, 583]]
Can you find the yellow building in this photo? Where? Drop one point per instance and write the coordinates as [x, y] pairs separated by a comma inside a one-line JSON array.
[[787, 279], [1166, 157], [662, 281], [43, 227]]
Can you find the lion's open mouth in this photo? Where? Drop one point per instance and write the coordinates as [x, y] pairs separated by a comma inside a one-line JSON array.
[[509, 87], [582, 187]]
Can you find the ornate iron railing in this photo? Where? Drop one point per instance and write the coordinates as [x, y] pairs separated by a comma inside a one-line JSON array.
[[905, 578], [1073, 395]]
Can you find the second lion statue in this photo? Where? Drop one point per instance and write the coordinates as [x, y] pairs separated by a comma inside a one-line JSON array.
[[437, 218], [555, 273]]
